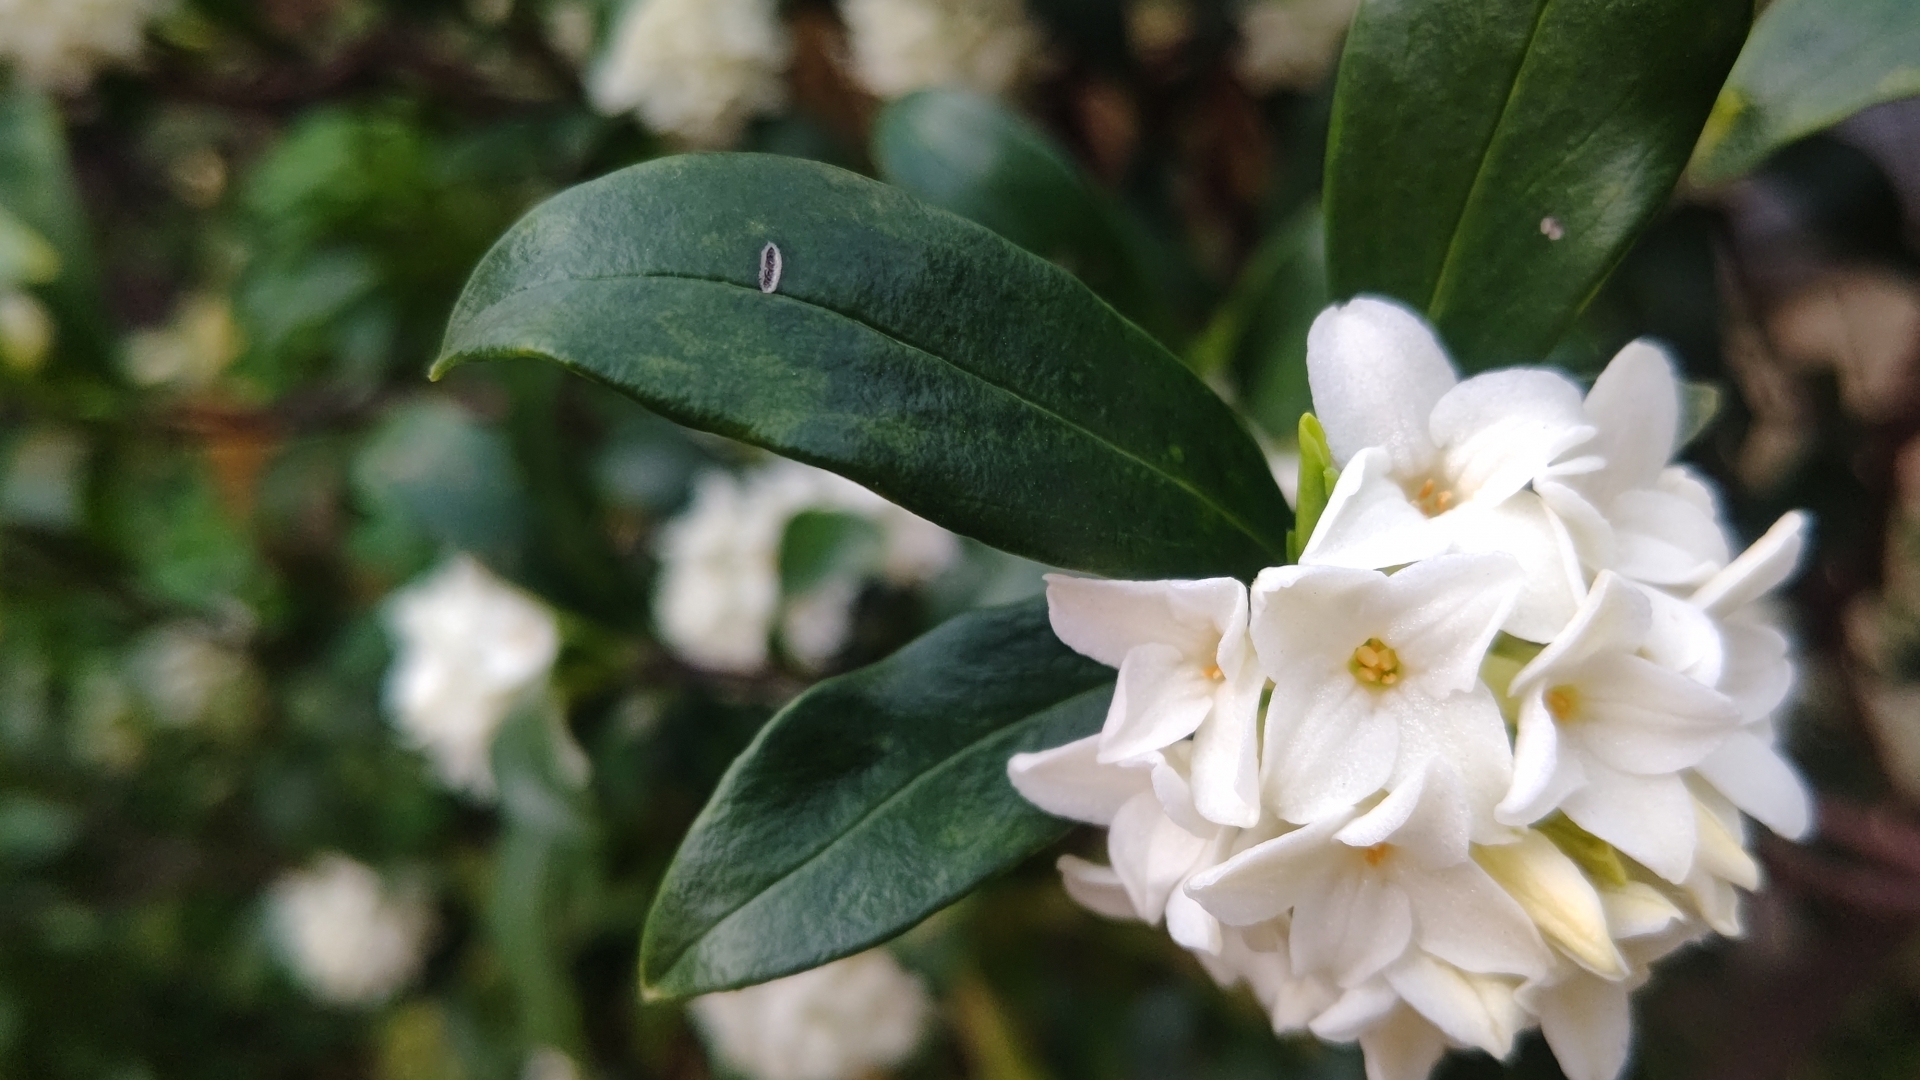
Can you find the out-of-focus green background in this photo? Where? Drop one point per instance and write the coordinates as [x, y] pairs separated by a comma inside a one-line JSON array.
[[245, 242]]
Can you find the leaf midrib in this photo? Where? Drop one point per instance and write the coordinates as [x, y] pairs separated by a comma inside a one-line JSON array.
[[1223, 512], [896, 795], [1441, 282]]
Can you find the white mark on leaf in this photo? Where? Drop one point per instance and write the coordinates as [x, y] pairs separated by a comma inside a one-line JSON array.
[[770, 265], [1551, 228]]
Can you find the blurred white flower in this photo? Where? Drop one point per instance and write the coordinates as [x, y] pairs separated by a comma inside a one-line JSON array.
[[191, 350], [26, 331], [1291, 44], [469, 649], [547, 1063], [719, 597], [1516, 701], [835, 1022], [187, 677], [899, 46], [695, 69], [350, 937], [57, 44]]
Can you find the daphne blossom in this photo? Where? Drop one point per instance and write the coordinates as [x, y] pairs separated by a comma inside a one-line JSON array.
[[695, 69], [719, 598], [470, 649], [58, 44], [835, 1022], [351, 938], [1517, 695], [898, 46]]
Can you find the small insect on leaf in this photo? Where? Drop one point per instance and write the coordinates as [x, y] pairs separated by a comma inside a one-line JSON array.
[[770, 263]]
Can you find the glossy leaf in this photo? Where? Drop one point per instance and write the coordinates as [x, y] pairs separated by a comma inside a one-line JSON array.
[[1809, 64], [1490, 161], [910, 350], [870, 802], [967, 153], [1263, 325]]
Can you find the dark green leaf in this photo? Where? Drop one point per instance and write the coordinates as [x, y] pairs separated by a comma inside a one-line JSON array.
[[872, 801], [910, 350], [1808, 65], [968, 153], [1264, 324], [453, 478], [1491, 160], [818, 544]]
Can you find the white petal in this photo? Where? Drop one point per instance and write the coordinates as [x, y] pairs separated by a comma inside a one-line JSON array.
[[1404, 1047], [1104, 620], [1638, 717], [1638, 910], [1443, 613], [1327, 749], [1586, 527], [1191, 926], [1097, 888], [1525, 529], [1615, 616], [1751, 773], [1461, 916], [1759, 570], [1758, 673], [1369, 523], [1226, 755], [1588, 1024], [1559, 899], [1160, 698], [1355, 1011], [1376, 371], [1649, 818], [1683, 638], [1350, 928], [1498, 431], [1635, 407], [1468, 1010], [1466, 735], [1308, 619], [1150, 854], [1175, 791], [1268, 878], [1663, 539], [1723, 850], [1542, 774], [1069, 782]]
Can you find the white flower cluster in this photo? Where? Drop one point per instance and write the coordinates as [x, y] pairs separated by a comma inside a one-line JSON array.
[[899, 46], [695, 69], [1291, 44], [469, 649], [1480, 757], [836, 1022], [351, 938], [719, 597], [57, 44]]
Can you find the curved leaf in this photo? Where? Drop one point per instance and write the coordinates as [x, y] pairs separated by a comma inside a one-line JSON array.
[[910, 350], [1490, 161], [870, 802], [1809, 64], [969, 154]]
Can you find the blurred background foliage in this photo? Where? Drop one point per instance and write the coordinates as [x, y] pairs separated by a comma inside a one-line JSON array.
[[223, 271]]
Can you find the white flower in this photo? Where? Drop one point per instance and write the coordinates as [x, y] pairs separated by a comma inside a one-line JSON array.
[[1757, 673], [469, 649], [899, 46], [696, 69], [1374, 674], [57, 44], [718, 597], [836, 1022], [1604, 733], [1388, 904], [1636, 514], [188, 677], [1291, 44], [352, 939], [1431, 465], [1186, 669]]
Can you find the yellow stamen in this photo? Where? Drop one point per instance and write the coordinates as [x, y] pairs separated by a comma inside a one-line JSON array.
[[1214, 673], [1375, 663], [1432, 499], [1562, 703], [1377, 854]]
